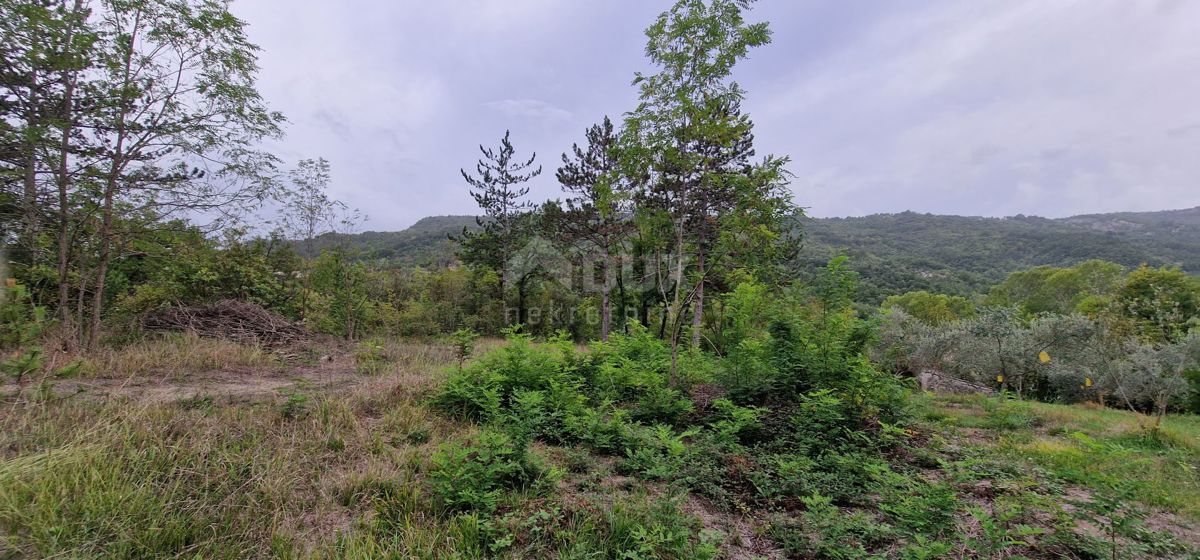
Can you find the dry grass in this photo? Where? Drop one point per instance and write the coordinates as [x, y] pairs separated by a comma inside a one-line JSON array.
[[283, 478], [170, 355]]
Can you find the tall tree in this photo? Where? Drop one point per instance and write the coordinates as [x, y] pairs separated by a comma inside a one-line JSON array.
[[688, 133], [178, 117], [308, 210], [597, 216], [74, 57], [498, 187], [37, 38], [47, 47]]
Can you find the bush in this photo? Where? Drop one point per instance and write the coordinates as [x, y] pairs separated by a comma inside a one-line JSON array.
[[826, 532], [660, 455], [21, 324], [606, 429], [471, 393], [661, 404], [734, 424], [472, 476]]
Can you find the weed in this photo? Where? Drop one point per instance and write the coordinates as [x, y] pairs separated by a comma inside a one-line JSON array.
[[474, 475], [825, 531], [295, 406], [199, 401]]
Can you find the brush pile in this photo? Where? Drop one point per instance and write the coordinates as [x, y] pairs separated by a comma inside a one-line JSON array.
[[230, 319]]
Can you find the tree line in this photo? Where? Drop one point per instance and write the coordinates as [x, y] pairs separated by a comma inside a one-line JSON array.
[[671, 200], [119, 116]]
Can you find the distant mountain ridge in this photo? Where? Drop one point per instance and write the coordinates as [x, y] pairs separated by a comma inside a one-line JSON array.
[[900, 252], [965, 255]]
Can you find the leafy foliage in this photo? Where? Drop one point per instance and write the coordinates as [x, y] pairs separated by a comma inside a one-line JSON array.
[[472, 476]]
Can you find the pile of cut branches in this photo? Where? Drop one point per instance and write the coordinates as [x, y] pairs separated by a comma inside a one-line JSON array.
[[231, 319]]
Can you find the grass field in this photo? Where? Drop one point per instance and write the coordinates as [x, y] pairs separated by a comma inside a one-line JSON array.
[[328, 454]]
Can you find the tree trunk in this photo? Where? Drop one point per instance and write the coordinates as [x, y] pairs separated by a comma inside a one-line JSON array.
[[662, 321], [29, 197], [676, 302], [110, 191], [605, 300], [80, 298], [106, 234], [63, 181], [698, 312], [621, 304], [521, 312]]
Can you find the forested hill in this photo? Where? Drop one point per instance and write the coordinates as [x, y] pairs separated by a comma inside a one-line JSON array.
[[896, 253], [906, 251], [426, 243]]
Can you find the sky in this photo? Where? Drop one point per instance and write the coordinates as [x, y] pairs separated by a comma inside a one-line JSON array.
[[987, 107]]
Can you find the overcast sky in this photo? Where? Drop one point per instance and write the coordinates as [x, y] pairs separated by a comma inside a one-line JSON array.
[[983, 107]]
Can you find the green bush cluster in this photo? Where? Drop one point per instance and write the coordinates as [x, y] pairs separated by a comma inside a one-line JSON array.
[[795, 411], [473, 475]]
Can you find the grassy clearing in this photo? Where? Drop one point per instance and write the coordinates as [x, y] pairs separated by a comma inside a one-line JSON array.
[[1101, 449], [374, 470], [306, 474], [277, 478]]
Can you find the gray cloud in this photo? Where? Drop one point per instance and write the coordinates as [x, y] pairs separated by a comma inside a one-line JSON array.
[[529, 109], [992, 107]]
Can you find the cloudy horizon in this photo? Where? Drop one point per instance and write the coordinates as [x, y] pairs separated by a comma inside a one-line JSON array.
[[993, 108]]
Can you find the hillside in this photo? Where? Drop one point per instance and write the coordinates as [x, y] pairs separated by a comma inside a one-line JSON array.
[[426, 243], [901, 252], [963, 255]]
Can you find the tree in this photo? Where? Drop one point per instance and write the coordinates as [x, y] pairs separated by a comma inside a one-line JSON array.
[[47, 46], [29, 30], [498, 187], [1153, 377], [687, 133], [1163, 302], [342, 285], [177, 115], [597, 214], [1047, 289], [931, 309], [308, 211]]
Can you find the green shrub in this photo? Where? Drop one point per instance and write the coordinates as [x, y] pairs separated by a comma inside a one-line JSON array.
[[661, 454], [735, 424], [472, 476], [921, 508], [21, 323], [371, 358], [1192, 404], [606, 429], [747, 374], [824, 531], [786, 476], [295, 406], [661, 404], [463, 341], [1006, 415], [471, 393], [648, 529]]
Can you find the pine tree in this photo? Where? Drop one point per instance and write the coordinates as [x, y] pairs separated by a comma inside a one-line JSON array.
[[499, 189], [596, 219]]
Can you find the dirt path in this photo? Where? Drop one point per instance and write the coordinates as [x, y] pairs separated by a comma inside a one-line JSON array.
[[242, 384]]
